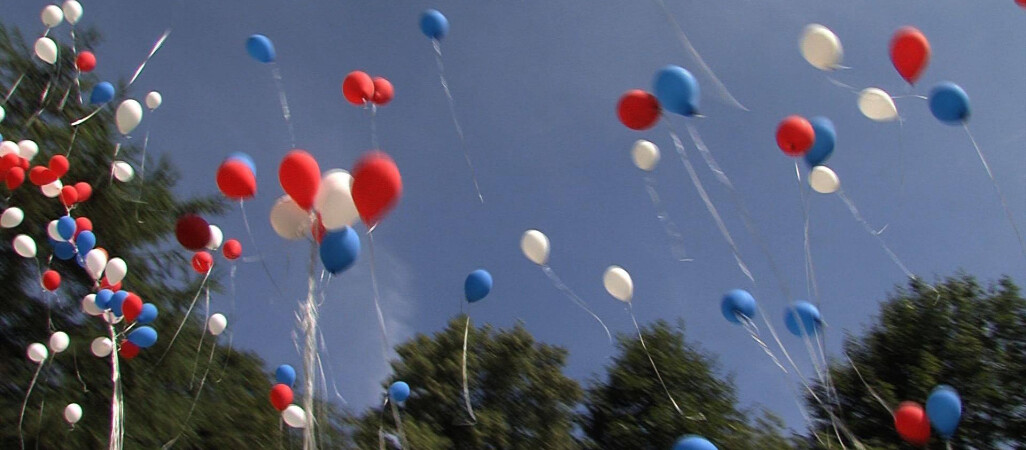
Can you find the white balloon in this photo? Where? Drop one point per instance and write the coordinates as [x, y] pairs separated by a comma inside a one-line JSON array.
[[294, 416], [51, 230], [821, 47], [101, 347], [25, 246], [112, 318], [334, 200], [824, 180], [72, 412], [37, 352], [3, 113], [52, 190], [535, 246], [115, 270], [95, 262], [28, 149], [59, 342], [52, 16], [128, 116], [46, 50], [9, 147], [216, 237], [618, 283], [216, 324], [123, 171], [153, 100], [89, 305], [877, 105], [289, 220], [72, 11], [12, 217], [645, 155]]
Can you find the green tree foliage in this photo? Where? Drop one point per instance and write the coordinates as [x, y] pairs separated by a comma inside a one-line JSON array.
[[956, 333]]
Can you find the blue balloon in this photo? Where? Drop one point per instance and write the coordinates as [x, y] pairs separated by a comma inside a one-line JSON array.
[[116, 301], [66, 227], [339, 249], [399, 391], [63, 250], [85, 241], [285, 374], [949, 103], [693, 442], [944, 408], [433, 24], [677, 90], [809, 316], [260, 48], [102, 93], [478, 285], [103, 298], [823, 146], [144, 337], [245, 159], [147, 315], [738, 301]]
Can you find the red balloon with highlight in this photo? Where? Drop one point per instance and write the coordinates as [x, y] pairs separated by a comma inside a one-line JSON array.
[[795, 136], [377, 186], [51, 280], [638, 110], [202, 262], [358, 87], [300, 177], [85, 61], [383, 91], [232, 249], [912, 424], [281, 396], [910, 53], [235, 180]]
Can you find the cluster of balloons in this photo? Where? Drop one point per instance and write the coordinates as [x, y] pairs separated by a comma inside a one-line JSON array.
[[194, 233], [943, 412], [360, 89], [676, 90], [282, 396]]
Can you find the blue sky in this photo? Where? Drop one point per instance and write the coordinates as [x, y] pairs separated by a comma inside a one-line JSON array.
[[536, 84]]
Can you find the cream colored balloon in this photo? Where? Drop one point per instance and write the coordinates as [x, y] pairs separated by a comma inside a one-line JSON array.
[[52, 190], [52, 16], [115, 270], [95, 262], [3, 113], [334, 200], [51, 230], [72, 413], [618, 283], [877, 105], [824, 180], [59, 342], [289, 220], [294, 416], [12, 217], [28, 149], [25, 246], [128, 116], [821, 47], [101, 347], [123, 171], [72, 11], [535, 246], [216, 237], [46, 50], [153, 100], [37, 352], [216, 324], [9, 147], [645, 155], [89, 305]]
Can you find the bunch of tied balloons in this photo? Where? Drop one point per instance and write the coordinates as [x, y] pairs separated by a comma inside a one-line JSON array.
[[943, 412], [195, 234], [281, 397], [361, 90]]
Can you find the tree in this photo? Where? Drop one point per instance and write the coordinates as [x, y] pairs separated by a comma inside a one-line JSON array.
[[629, 409], [955, 333], [520, 397]]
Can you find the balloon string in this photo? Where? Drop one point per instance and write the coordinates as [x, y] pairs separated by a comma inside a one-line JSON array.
[[78, 73], [227, 358], [710, 207], [455, 121], [199, 346], [869, 388], [399, 426], [142, 168], [724, 93], [641, 338], [285, 113], [374, 126], [260, 255], [811, 287], [753, 331], [381, 425], [876, 234], [901, 158], [117, 413], [28, 393], [64, 99], [309, 326], [556, 281], [42, 105], [74, 357], [195, 400], [997, 188], [840, 84], [466, 387], [14, 87], [89, 116], [386, 345], [156, 46], [188, 314], [71, 145], [669, 226]]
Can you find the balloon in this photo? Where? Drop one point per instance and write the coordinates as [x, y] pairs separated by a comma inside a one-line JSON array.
[[192, 232], [823, 143], [117, 303], [795, 136], [115, 270], [477, 285], [12, 217], [53, 189], [217, 323], [535, 246], [72, 412], [281, 396], [131, 307], [944, 409], [434, 25], [103, 298], [128, 350], [677, 90], [59, 342], [37, 352], [24, 246], [101, 347], [51, 280], [334, 200], [52, 232], [245, 158], [216, 237], [89, 305], [66, 227], [618, 283], [102, 93], [377, 186], [693, 442], [235, 180], [737, 302], [288, 219], [128, 116], [910, 53], [147, 314], [28, 149], [72, 11], [809, 316], [46, 50], [260, 48], [645, 155], [232, 249], [824, 180], [3, 114], [153, 100], [9, 147], [399, 391], [85, 241], [144, 336], [202, 262], [58, 164], [104, 284], [14, 178], [877, 105], [294, 416], [912, 424], [85, 62], [69, 196], [638, 110], [949, 103], [285, 374], [358, 88], [821, 47], [339, 249], [52, 16], [384, 92], [300, 177]]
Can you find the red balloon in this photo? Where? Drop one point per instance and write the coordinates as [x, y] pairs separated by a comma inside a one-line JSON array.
[[104, 284], [40, 176], [9, 161], [912, 423], [128, 350], [84, 191], [235, 180], [82, 223], [85, 61], [192, 232], [202, 262], [59, 165], [232, 249], [638, 110], [24, 163], [69, 196], [14, 178], [795, 136], [910, 53], [383, 91], [358, 88], [132, 306], [51, 280], [377, 186], [281, 396], [1021, 3], [300, 177]]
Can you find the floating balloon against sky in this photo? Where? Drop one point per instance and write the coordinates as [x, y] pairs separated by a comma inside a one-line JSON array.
[[910, 53], [821, 47]]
